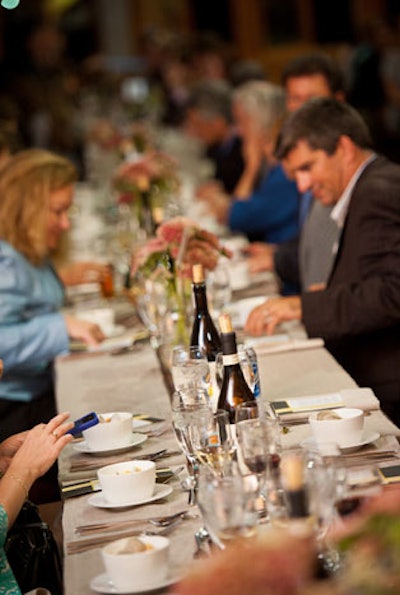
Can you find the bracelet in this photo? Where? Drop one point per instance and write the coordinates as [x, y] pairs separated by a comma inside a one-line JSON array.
[[20, 482]]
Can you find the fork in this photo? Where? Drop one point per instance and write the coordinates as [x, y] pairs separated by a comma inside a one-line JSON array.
[[82, 545], [161, 521]]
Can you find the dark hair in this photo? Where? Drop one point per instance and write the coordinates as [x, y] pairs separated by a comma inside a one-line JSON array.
[[212, 98], [320, 122], [310, 64]]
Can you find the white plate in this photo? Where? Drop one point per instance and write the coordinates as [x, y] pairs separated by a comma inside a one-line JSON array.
[[102, 584], [160, 491], [135, 441], [116, 331], [366, 438], [240, 310]]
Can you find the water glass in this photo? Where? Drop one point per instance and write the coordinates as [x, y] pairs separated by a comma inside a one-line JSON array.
[[249, 373], [187, 406], [190, 367], [227, 507], [219, 288]]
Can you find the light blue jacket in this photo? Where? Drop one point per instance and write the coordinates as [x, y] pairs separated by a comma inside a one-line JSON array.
[[32, 329]]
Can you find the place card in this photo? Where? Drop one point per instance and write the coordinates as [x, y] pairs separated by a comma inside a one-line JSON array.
[[304, 404], [390, 474]]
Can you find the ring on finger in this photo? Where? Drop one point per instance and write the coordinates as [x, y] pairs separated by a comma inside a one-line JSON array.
[[55, 434]]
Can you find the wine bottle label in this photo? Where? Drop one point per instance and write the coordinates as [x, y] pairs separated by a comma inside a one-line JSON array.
[[230, 360]]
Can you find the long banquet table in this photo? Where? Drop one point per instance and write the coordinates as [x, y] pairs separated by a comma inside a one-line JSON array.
[[133, 382]]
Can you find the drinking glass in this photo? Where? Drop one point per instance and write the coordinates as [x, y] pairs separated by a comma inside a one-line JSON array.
[[190, 367], [227, 507], [250, 375], [213, 442], [187, 405], [219, 288]]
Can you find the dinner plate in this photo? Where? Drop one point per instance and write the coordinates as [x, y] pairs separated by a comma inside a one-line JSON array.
[[102, 584], [160, 491], [136, 439], [366, 438], [116, 331], [240, 310]]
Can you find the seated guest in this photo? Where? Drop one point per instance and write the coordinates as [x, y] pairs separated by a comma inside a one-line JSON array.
[[209, 118], [36, 452], [36, 189], [326, 146], [307, 259], [270, 212]]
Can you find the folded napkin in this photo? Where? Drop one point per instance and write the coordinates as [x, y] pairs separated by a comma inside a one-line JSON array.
[[283, 343], [298, 408]]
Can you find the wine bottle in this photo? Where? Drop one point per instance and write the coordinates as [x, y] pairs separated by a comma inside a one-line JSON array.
[[234, 389], [204, 331]]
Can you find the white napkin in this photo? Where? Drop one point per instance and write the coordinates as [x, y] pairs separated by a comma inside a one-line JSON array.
[[298, 408], [283, 343]]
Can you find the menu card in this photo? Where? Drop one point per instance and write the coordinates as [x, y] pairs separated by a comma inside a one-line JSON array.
[[298, 408]]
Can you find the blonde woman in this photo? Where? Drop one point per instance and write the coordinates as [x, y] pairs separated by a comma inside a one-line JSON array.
[[36, 191]]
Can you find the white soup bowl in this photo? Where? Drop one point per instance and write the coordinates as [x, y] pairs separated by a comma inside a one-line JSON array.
[[127, 482]]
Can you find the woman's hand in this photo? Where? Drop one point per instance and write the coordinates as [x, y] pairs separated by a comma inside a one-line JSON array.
[[88, 332], [41, 447]]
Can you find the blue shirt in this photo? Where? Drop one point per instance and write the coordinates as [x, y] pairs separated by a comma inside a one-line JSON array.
[[32, 329], [271, 213]]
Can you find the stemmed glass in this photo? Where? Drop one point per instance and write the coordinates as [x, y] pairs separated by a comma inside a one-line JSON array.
[[227, 507], [190, 367], [249, 373], [213, 442], [252, 443], [188, 405]]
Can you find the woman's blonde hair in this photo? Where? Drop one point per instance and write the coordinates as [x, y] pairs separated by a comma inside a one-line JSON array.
[[26, 183]]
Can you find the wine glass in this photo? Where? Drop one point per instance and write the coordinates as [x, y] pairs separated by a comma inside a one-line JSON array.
[[190, 367], [187, 405], [213, 442], [227, 507]]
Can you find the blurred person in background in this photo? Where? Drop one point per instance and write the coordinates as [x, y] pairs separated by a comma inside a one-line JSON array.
[[265, 203], [36, 190], [209, 118], [304, 261]]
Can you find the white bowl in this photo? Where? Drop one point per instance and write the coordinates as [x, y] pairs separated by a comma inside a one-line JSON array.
[[135, 570], [345, 431], [113, 431], [104, 317], [127, 482], [239, 274]]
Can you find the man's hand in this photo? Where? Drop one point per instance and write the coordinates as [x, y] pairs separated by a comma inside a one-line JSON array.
[[265, 318]]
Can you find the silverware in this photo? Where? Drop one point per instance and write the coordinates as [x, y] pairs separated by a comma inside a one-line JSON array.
[[160, 521], [99, 462], [82, 545]]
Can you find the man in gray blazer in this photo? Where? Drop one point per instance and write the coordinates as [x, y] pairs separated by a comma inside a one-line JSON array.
[[327, 147]]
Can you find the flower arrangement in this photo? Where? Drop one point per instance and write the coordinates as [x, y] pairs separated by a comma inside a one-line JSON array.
[[151, 173], [179, 244], [164, 265]]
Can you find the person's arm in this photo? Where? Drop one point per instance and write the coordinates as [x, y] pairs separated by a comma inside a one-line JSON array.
[[270, 209], [35, 456], [253, 158]]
